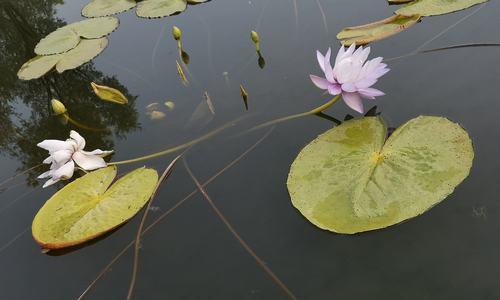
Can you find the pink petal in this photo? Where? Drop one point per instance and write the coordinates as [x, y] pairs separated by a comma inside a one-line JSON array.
[[365, 83], [329, 74], [334, 89], [321, 83], [371, 93], [353, 100], [321, 60], [349, 87], [61, 156], [88, 162], [327, 58]]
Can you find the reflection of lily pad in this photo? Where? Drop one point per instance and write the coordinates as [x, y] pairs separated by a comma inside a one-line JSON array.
[[101, 8], [69, 36], [160, 8], [436, 7], [86, 208], [83, 53], [351, 179], [368, 33]]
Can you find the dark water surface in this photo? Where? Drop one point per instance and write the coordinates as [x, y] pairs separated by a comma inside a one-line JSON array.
[[451, 252]]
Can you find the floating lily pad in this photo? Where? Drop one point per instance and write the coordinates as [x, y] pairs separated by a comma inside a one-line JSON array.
[[69, 36], [86, 208], [38, 66], [83, 53], [160, 8], [368, 33], [351, 179], [59, 41], [436, 7], [95, 28], [102, 8]]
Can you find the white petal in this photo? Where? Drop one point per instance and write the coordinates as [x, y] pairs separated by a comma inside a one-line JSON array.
[[88, 162], [80, 141], [48, 160], [50, 182], [62, 156], [55, 145], [45, 174], [99, 152], [64, 172]]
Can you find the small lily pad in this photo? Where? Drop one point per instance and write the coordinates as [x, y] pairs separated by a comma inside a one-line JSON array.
[[436, 7], [86, 208], [160, 8], [368, 33], [83, 53], [102, 8], [95, 28], [351, 179], [38, 66], [68, 37], [59, 41]]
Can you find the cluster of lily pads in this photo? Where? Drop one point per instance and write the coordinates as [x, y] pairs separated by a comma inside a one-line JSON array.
[[404, 17], [76, 44]]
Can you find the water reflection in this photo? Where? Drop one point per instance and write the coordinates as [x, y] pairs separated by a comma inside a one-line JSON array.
[[22, 24]]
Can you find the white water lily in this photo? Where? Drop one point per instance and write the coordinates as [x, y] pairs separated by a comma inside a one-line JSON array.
[[65, 156]]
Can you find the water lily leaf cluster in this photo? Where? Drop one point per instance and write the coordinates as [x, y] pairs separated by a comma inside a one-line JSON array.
[[145, 8], [90, 206], [83, 53], [69, 47], [404, 17], [352, 179]]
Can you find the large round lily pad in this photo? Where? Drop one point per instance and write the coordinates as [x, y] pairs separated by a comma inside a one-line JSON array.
[[86, 208], [38, 66], [351, 179]]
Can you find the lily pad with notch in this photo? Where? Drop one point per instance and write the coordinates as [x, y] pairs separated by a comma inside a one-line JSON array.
[[88, 207], [351, 179]]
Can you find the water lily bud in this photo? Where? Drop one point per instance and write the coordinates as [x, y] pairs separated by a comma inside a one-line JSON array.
[[255, 37], [176, 32], [58, 107]]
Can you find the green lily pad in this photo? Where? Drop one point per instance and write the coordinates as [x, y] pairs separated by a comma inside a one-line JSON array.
[[83, 53], [69, 36], [160, 8], [95, 28], [86, 208], [351, 179], [38, 66], [59, 41], [102, 8], [436, 7], [368, 33]]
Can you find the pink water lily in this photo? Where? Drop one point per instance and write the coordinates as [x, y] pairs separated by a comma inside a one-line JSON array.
[[65, 156], [352, 75]]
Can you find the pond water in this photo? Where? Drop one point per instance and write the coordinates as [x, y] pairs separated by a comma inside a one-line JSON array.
[[450, 252]]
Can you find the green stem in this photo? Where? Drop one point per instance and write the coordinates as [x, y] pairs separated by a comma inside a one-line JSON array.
[[176, 148], [315, 111]]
